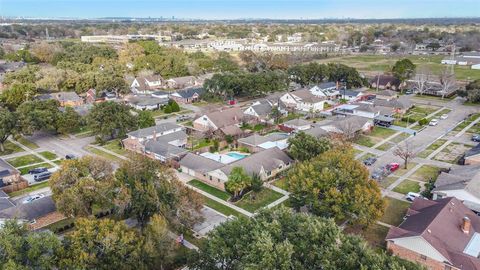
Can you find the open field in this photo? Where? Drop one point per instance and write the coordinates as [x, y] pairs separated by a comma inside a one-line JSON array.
[[374, 64]]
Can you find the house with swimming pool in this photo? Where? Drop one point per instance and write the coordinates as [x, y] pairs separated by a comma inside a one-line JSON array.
[[214, 168]]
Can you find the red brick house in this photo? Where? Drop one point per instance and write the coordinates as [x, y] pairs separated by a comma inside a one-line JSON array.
[[440, 234]]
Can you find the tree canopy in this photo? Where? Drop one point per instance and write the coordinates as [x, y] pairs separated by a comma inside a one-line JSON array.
[[111, 120], [303, 146], [403, 69], [8, 124], [336, 185], [281, 239]]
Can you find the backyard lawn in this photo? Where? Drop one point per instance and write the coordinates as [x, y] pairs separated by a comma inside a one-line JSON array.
[[48, 155], [281, 183], [431, 148], [256, 200], [425, 173], [209, 189], [407, 186], [395, 211], [375, 234], [24, 160]]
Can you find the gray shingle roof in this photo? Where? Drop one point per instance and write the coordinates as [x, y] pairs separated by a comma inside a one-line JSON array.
[[147, 101], [268, 160], [30, 211], [200, 164], [66, 96], [297, 122], [164, 149], [263, 109], [189, 92], [145, 132]]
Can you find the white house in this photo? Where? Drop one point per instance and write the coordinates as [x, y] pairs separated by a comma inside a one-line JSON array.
[[147, 84], [359, 109], [303, 100]]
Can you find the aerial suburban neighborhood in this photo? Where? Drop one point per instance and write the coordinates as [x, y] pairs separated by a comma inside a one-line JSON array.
[[210, 141]]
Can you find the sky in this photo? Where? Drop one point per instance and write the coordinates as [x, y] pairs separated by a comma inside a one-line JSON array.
[[235, 9]]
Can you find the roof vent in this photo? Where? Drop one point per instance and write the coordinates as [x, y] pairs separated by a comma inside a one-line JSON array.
[[429, 231], [466, 224]]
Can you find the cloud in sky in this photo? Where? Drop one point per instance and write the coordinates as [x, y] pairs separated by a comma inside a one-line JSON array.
[[231, 9]]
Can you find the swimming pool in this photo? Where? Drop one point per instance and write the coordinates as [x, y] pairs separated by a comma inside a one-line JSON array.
[[224, 158], [236, 155]]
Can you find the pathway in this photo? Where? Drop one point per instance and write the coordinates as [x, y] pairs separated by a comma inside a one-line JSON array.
[[108, 151], [30, 151]]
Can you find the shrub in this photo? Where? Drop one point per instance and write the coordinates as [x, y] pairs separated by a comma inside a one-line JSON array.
[[423, 121]]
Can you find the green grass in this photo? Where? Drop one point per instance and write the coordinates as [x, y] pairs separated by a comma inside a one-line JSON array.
[[400, 138], [29, 189], [103, 154], [202, 143], [209, 189], [48, 155], [256, 200], [375, 234], [425, 173], [395, 211], [365, 141], [116, 147], [431, 148], [467, 122], [381, 132], [385, 146], [27, 143], [25, 170], [386, 182], [10, 148], [59, 162], [401, 171], [24, 160], [281, 183], [407, 186], [227, 211]]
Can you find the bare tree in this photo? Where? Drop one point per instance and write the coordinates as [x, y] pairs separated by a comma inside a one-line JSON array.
[[421, 79], [447, 81], [405, 151]]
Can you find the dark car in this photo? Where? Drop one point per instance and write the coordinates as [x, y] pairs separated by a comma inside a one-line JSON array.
[[70, 156], [476, 138], [42, 176], [378, 174], [409, 92], [38, 170], [369, 161]]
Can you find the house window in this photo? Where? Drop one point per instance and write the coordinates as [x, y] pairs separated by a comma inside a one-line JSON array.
[[210, 178], [423, 257]]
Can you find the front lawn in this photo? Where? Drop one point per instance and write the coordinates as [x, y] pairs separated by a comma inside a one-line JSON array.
[[431, 148], [209, 189], [386, 182], [452, 152], [48, 155], [425, 173], [381, 132], [116, 147], [103, 154], [365, 141], [10, 148], [400, 138], [395, 211], [385, 146], [255, 200], [227, 211], [24, 160], [401, 171], [27, 143], [407, 186]]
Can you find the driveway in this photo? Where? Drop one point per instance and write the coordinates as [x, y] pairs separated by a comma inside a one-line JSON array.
[[19, 199], [62, 146]]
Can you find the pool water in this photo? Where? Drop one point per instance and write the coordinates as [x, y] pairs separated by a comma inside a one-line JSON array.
[[236, 155]]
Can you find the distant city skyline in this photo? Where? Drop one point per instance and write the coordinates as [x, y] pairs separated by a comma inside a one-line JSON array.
[[236, 9]]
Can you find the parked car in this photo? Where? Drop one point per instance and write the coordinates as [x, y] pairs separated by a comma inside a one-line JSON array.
[[38, 170], [411, 196], [476, 138], [42, 176], [183, 118], [32, 198], [369, 161], [392, 167], [377, 174], [433, 122], [409, 92], [70, 156], [444, 116]]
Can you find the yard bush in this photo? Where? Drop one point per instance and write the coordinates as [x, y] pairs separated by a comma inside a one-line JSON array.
[[423, 121]]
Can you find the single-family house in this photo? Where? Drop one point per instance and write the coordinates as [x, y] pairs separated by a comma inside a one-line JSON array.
[[303, 101], [438, 234], [216, 120], [461, 182], [188, 95], [397, 105], [358, 109], [351, 94], [8, 174], [67, 99], [161, 94], [346, 125], [146, 102], [386, 95], [164, 142], [181, 82], [199, 167], [260, 110], [385, 82], [472, 156], [37, 214], [295, 125], [256, 143], [328, 90], [147, 84]]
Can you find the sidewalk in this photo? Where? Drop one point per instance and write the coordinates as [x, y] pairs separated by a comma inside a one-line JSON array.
[[30, 151]]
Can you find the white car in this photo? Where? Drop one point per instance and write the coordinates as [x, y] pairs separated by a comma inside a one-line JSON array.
[[32, 198], [411, 196], [444, 116], [433, 122]]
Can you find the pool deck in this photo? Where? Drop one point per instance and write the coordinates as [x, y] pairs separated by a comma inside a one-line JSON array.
[[224, 158]]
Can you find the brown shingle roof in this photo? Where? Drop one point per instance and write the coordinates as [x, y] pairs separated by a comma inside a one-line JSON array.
[[227, 117]]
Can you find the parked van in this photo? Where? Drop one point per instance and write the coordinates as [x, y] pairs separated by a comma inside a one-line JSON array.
[[42, 176]]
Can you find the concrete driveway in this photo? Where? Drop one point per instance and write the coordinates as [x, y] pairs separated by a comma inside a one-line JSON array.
[[62, 146]]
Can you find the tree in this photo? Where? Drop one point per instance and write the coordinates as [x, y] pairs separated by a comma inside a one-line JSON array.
[[403, 69], [448, 82], [38, 115], [18, 93], [8, 124], [145, 119], [473, 85], [111, 120], [303, 146], [68, 121], [257, 182], [346, 74], [81, 185], [281, 239], [158, 245], [336, 185], [238, 181], [422, 77], [45, 51], [130, 52], [23, 249], [405, 151], [102, 244], [148, 188]]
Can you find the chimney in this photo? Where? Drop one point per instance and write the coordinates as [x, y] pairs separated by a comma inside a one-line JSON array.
[[154, 135], [466, 224], [337, 85]]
